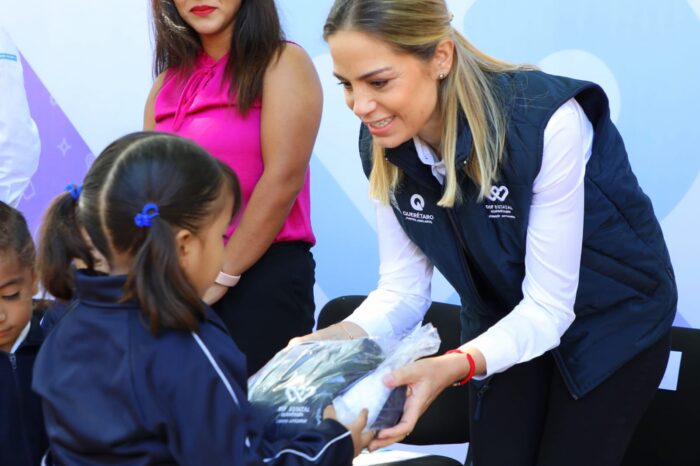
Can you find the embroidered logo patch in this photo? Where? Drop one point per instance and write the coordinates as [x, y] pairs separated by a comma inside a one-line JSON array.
[[498, 193], [417, 215], [498, 208], [417, 202]]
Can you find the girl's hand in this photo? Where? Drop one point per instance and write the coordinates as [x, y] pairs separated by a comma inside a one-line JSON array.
[[359, 439], [425, 380], [339, 331], [214, 293]]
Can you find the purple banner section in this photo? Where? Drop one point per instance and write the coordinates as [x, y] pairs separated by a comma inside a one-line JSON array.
[[64, 155]]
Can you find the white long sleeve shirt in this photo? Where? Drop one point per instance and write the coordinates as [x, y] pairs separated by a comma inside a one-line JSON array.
[[19, 137], [552, 255]]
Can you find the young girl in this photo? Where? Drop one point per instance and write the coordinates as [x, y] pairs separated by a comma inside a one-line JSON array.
[[22, 437], [140, 370]]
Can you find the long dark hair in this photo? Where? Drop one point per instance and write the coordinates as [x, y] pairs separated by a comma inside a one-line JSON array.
[[15, 238], [186, 184], [257, 40]]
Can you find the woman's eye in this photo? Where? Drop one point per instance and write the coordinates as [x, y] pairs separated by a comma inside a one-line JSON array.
[[345, 84], [379, 84]]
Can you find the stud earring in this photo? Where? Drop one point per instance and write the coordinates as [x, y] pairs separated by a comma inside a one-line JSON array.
[[442, 76]]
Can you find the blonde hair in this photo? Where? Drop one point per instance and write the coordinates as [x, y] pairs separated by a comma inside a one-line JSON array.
[[416, 27]]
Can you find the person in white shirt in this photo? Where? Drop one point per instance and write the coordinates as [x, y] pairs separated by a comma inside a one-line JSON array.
[[19, 138], [481, 168]]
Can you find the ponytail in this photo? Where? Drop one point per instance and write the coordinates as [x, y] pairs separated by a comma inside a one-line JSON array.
[[160, 184], [60, 242], [158, 283]]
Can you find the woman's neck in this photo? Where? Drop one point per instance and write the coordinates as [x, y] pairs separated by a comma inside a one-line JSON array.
[[431, 133], [216, 45]]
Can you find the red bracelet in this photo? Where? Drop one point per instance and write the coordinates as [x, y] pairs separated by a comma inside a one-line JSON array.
[[472, 367]]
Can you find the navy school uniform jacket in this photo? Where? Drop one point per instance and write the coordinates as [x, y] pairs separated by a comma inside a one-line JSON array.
[[626, 298], [114, 394], [22, 436]]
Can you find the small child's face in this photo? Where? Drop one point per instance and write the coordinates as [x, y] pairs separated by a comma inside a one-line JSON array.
[[203, 255], [17, 286]]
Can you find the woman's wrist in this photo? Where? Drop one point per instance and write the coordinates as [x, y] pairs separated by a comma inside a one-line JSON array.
[[464, 363], [351, 330], [227, 280]]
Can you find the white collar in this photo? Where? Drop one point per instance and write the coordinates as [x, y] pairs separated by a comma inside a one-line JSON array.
[[22, 336], [428, 157]]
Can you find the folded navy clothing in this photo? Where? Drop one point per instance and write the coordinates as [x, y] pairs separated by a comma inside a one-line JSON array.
[[291, 391]]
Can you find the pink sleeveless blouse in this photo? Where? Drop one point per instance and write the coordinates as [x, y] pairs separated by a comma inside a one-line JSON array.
[[199, 108]]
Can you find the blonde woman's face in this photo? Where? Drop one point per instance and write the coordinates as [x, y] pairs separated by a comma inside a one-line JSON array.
[[394, 94]]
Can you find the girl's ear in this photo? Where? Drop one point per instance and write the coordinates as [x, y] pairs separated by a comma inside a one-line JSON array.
[[183, 244]]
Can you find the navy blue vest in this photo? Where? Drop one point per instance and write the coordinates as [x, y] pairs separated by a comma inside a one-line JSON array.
[[627, 294]]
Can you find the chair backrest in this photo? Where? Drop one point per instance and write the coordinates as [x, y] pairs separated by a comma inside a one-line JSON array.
[[669, 432], [447, 419]]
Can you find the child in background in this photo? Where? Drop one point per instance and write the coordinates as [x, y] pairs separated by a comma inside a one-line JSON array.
[[22, 437], [140, 370], [59, 245]]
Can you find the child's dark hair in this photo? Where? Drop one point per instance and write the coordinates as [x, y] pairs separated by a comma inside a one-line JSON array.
[[15, 237], [59, 244], [184, 182]]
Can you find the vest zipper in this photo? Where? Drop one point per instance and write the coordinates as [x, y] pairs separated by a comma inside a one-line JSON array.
[[480, 399]]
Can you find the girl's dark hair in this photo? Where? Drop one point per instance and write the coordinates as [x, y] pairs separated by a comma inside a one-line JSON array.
[[186, 184], [15, 237], [61, 239], [257, 40]]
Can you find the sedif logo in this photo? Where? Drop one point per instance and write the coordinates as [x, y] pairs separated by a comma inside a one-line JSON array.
[[299, 394], [498, 193]]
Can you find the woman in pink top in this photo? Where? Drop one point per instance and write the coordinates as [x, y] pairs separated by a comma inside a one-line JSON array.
[[228, 80]]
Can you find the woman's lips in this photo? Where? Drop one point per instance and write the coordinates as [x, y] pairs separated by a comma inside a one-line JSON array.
[[202, 10]]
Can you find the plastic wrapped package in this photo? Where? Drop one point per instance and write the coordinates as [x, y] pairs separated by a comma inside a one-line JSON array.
[[371, 393], [291, 391]]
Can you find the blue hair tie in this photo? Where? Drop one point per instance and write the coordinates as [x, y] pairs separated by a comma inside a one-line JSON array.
[[146, 216], [74, 191]]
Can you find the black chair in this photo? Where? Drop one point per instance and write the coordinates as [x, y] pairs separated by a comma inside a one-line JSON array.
[[447, 419], [669, 432]]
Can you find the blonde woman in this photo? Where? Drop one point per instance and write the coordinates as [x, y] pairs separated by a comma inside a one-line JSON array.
[[516, 185]]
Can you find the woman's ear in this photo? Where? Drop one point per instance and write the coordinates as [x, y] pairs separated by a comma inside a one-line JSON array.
[[443, 57]]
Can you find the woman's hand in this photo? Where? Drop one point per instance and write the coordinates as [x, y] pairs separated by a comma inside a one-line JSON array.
[[214, 293], [425, 380], [359, 439], [339, 331]]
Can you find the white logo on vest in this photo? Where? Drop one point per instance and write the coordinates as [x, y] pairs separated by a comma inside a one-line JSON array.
[[498, 193], [418, 205], [498, 209], [417, 202]]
